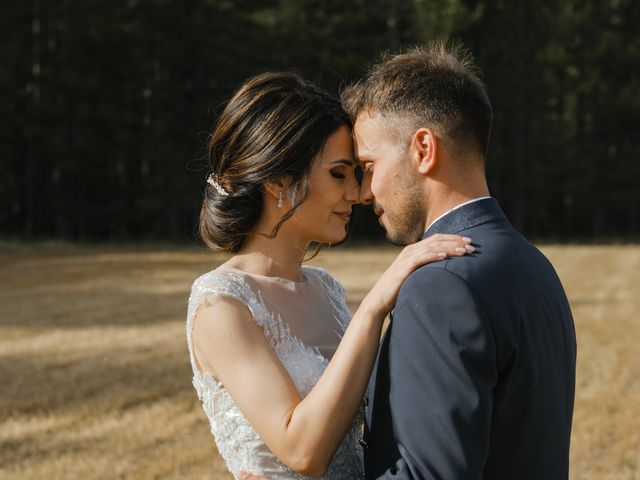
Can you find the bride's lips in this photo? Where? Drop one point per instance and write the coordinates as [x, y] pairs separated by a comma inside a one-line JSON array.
[[346, 216]]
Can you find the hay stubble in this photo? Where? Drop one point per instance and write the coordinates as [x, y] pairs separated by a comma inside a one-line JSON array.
[[95, 380]]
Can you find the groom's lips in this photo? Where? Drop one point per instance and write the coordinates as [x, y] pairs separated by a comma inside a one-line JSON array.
[[379, 212]]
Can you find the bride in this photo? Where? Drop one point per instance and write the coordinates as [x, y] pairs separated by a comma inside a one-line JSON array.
[[279, 364]]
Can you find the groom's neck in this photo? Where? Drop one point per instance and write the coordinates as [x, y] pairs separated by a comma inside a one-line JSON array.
[[446, 198]]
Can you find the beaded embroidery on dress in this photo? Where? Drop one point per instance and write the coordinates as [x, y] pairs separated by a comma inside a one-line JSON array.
[[298, 345]]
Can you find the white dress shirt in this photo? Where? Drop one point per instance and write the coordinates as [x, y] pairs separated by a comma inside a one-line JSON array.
[[457, 207]]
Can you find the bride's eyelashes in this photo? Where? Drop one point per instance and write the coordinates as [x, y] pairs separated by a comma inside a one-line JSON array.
[[341, 175], [337, 174]]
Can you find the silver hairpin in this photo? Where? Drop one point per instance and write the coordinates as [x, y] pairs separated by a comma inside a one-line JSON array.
[[211, 180]]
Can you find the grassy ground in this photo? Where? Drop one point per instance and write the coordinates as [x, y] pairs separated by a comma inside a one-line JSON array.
[[95, 381]]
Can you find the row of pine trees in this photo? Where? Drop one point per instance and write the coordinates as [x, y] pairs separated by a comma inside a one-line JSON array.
[[105, 105]]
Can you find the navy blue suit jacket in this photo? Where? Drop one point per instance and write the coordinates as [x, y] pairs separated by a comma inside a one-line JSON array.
[[475, 376]]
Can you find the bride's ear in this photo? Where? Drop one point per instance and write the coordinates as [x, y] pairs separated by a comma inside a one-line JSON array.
[[425, 150], [276, 188]]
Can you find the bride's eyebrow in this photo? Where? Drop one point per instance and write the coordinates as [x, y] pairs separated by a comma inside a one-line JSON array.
[[343, 161]]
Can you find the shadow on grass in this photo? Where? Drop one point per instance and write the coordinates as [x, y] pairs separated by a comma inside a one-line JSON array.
[[115, 381], [94, 308]]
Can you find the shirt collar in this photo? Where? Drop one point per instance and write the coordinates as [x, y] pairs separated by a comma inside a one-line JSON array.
[[457, 207]]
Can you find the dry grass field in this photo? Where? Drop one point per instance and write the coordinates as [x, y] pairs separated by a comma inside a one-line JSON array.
[[95, 381]]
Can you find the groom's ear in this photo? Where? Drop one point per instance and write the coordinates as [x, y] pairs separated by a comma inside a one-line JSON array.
[[425, 147]]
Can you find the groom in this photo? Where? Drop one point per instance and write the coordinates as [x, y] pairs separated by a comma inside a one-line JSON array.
[[475, 376]]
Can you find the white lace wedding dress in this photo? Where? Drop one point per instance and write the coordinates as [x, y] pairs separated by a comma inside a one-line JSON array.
[[303, 321]]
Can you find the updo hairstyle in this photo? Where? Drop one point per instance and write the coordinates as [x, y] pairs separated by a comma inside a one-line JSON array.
[[271, 129]]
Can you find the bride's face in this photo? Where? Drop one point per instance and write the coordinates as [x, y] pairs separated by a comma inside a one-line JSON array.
[[333, 190]]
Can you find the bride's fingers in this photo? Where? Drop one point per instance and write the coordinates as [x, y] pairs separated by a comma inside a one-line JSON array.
[[427, 256], [457, 245], [455, 242], [447, 236], [438, 249], [450, 246]]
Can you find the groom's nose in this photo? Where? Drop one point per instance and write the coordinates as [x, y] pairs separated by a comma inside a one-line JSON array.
[[366, 197]]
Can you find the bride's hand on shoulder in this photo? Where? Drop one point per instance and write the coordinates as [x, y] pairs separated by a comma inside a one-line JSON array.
[[435, 248]]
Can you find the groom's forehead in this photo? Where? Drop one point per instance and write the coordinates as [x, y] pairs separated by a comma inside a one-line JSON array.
[[364, 134], [371, 135]]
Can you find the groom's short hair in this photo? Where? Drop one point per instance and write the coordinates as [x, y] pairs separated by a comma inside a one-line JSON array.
[[437, 86]]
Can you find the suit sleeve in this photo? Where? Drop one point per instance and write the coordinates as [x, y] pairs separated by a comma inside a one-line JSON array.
[[442, 372]]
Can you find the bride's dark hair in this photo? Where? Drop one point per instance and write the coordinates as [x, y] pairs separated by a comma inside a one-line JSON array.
[[271, 129]]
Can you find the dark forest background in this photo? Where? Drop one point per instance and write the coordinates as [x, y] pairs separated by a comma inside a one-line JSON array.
[[105, 105]]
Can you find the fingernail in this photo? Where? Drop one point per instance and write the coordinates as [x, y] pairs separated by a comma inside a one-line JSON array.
[[466, 239], [461, 250], [470, 248]]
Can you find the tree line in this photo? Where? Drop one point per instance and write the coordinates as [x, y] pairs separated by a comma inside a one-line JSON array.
[[105, 105]]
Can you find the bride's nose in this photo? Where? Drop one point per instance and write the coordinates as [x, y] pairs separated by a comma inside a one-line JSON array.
[[366, 197], [352, 192]]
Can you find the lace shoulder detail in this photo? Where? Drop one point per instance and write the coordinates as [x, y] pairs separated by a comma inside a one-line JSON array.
[[227, 284], [335, 293]]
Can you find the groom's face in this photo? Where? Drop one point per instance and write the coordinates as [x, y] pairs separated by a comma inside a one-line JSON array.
[[389, 183]]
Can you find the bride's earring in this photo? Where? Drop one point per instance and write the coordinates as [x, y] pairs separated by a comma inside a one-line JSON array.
[[279, 199]]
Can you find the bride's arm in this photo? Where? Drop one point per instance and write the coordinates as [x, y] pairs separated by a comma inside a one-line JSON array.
[[304, 433]]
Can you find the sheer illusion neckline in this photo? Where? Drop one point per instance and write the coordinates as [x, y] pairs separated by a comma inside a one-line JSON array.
[[268, 278]]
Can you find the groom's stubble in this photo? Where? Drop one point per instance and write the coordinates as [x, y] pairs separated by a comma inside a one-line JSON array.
[[406, 210]]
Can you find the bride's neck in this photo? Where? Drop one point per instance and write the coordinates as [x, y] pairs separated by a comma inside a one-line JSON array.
[[281, 256]]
